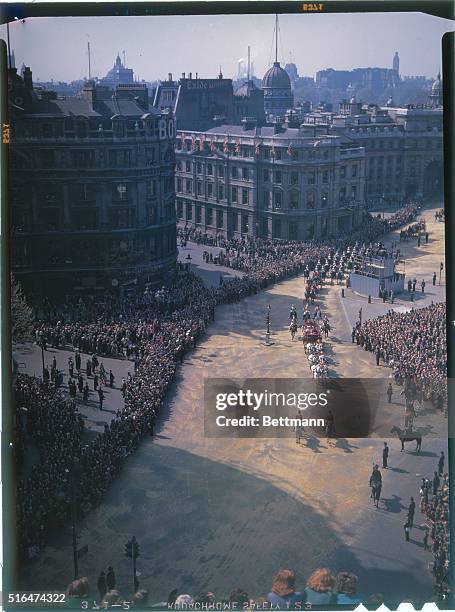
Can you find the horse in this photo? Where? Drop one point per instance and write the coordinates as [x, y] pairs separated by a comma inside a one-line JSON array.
[[293, 329], [403, 436], [376, 487]]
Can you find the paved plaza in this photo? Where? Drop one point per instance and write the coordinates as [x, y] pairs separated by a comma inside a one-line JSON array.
[[220, 514]]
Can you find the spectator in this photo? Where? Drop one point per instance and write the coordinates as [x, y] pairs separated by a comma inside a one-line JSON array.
[[283, 594], [319, 588]]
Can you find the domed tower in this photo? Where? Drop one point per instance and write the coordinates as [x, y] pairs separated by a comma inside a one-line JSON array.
[[435, 97], [276, 84]]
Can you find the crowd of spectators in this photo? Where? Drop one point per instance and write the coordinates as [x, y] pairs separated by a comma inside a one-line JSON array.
[[322, 588], [414, 345], [155, 328]]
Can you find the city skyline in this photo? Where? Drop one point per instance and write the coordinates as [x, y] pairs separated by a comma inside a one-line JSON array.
[[360, 40]]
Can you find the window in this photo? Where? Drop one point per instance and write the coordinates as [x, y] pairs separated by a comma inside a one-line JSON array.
[[210, 190], [199, 168], [311, 178], [354, 171], [189, 186], [209, 169], [266, 176], [47, 158], [294, 200], [198, 214], [189, 211], [325, 176], [294, 178], [353, 192], [188, 166], [219, 218], [122, 217], [293, 231], [234, 172], [209, 213], [179, 185], [278, 199], [278, 153], [266, 199], [120, 192], [180, 209], [120, 158], [245, 174], [221, 192], [234, 194], [342, 172], [245, 225], [235, 221], [278, 177], [221, 171], [179, 166], [244, 196], [310, 200], [324, 199], [342, 194], [83, 159], [199, 188]]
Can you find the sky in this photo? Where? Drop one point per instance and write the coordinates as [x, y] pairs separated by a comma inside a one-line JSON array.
[[56, 48]]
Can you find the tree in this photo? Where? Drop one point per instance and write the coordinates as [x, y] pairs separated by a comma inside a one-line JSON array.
[[21, 314]]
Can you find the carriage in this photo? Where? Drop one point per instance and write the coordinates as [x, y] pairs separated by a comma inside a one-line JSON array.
[[311, 331]]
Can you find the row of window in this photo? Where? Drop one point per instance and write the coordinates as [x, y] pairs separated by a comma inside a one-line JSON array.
[[263, 151], [212, 190]]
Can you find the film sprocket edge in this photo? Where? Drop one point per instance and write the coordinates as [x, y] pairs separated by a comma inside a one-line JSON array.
[[226, 323]]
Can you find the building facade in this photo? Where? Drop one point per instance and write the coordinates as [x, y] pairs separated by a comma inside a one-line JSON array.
[[92, 187], [272, 182], [403, 147]]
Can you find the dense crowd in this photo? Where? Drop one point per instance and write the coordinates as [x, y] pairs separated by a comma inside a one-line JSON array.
[[155, 328], [321, 589], [413, 344]]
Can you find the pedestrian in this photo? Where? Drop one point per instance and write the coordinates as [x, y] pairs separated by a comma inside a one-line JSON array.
[[89, 368], [385, 455], [411, 512], [434, 279], [427, 235], [77, 358], [406, 530], [418, 240], [102, 586], [101, 397], [436, 483], [353, 335], [409, 285], [414, 283], [378, 355], [389, 393], [110, 578], [86, 393], [54, 363], [111, 379], [95, 382], [422, 284], [441, 464]]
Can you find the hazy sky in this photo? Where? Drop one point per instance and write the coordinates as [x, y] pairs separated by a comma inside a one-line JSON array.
[[57, 47]]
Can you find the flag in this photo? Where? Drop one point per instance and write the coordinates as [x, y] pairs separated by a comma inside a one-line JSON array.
[[182, 138], [202, 144], [226, 145], [256, 149], [290, 150], [212, 146], [193, 142], [272, 152], [237, 147]]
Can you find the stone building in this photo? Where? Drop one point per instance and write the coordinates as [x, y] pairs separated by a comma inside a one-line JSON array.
[[271, 182], [92, 187], [403, 147]]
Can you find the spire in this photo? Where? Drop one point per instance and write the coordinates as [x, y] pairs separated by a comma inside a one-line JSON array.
[[248, 74], [276, 38]]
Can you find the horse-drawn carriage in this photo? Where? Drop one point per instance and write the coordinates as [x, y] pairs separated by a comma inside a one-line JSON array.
[[311, 331]]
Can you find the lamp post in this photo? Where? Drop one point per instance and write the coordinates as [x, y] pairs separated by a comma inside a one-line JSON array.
[[267, 322], [188, 258], [441, 268]]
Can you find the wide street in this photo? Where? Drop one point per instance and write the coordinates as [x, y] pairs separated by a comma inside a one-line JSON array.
[[218, 514]]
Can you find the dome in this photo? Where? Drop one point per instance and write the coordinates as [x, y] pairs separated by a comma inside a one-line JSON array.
[[276, 77]]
